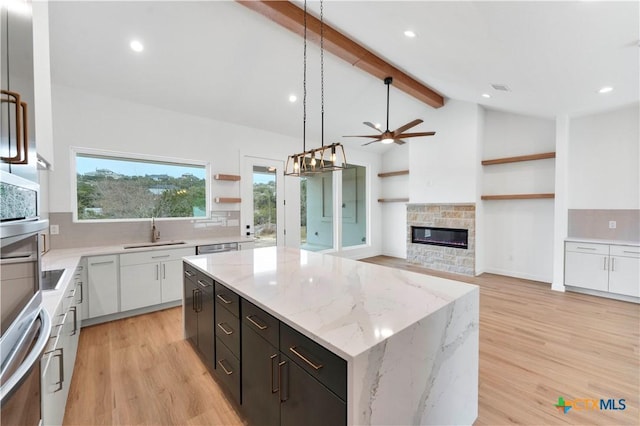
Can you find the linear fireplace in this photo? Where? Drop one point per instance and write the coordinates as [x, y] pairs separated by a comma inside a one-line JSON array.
[[447, 237]]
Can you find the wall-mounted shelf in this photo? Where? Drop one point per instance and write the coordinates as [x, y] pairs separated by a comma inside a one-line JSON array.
[[517, 196], [389, 174], [393, 200], [226, 177], [227, 200], [531, 157]]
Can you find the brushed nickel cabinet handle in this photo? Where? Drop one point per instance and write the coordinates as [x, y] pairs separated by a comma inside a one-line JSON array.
[[75, 319], [61, 365], [164, 271], [305, 359], [227, 372], [222, 327], [81, 292], [203, 284], [102, 263], [605, 264], [585, 248], [613, 264], [225, 301], [274, 366], [260, 326], [631, 252], [189, 274], [160, 257]]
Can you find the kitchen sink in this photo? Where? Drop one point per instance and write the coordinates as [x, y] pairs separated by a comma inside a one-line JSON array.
[[156, 244]]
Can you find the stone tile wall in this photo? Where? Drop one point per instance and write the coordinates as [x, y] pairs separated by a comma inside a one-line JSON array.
[[449, 259]]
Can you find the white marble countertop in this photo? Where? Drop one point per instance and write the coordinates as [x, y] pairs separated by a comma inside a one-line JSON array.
[[68, 259], [346, 305], [597, 241]]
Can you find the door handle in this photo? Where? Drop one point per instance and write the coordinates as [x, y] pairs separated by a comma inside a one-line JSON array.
[[81, 292], [283, 382], [164, 271], [613, 264], [22, 125], [157, 272], [193, 299], [274, 366]]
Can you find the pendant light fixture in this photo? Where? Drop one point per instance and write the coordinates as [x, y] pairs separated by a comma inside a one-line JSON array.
[[327, 157]]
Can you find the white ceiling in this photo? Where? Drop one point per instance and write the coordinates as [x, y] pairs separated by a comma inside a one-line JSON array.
[[218, 59]]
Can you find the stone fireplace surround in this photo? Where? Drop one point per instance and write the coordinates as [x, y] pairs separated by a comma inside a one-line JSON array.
[[449, 259]]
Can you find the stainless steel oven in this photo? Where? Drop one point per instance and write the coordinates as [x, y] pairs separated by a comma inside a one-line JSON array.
[[24, 324]]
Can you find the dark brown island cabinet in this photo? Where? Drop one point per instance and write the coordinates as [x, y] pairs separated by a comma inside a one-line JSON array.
[[198, 308], [275, 375]]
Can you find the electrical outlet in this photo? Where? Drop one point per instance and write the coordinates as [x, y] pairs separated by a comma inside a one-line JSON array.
[[612, 224], [54, 229]]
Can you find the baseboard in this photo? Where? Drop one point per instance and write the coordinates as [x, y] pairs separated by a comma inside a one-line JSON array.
[[132, 313], [606, 294], [515, 274]]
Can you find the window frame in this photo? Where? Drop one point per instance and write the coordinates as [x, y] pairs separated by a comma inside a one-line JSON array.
[[74, 151]]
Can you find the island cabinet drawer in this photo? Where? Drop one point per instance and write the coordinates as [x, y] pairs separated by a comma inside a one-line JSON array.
[[189, 272], [154, 256], [228, 370], [587, 248], [328, 368], [625, 251], [227, 299], [261, 322], [228, 330]]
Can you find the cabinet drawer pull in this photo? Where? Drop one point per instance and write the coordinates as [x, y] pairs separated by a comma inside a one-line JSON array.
[[302, 357], [222, 327], [189, 274], [102, 263], [586, 248], [227, 372], [75, 319], [605, 264], [225, 301], [203, 284], [160, 257], [81, 292], [251, 320], [274, 366], [631, 252]]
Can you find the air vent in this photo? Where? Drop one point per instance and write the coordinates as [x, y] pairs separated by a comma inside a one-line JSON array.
[[502, 87]]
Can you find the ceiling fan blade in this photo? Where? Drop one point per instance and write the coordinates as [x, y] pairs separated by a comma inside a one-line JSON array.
[[369, 143], [407, 126], [373, 126], [399, 141], [413, 135], [363, 136]]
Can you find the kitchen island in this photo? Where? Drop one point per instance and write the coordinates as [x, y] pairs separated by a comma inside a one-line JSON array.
[[410, 341]]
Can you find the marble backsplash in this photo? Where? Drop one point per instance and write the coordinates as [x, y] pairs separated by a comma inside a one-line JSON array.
[[17, 202], [87, 234]]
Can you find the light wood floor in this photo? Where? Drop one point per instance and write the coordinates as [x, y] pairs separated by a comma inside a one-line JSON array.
[[535, 345]]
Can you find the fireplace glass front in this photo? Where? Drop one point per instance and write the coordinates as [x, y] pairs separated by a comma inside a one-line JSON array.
[[447, 237]]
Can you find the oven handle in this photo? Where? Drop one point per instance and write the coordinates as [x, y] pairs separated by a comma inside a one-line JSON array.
[[12, 383]]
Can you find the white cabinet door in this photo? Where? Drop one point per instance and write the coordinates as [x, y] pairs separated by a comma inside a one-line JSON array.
[[171, 280], [139, 286], [624, 276], [102, 277], [586, 270], [53, 402]]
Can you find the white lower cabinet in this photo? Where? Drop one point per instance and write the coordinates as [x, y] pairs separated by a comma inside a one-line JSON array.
[[102, 277], [603, 267], [151, 278], [59, 358]]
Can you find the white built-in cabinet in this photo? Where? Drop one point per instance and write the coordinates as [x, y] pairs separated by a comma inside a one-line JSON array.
[[151, 278], [606, 268], [102, 280]]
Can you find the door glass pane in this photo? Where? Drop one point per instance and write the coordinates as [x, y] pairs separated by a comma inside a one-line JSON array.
[[264, 206], [316, 212], [354, 206]]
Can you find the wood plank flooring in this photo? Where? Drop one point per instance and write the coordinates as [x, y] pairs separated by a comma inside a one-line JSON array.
[[535, 345]]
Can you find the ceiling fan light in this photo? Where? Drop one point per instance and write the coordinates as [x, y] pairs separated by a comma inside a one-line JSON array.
[[387, 140]]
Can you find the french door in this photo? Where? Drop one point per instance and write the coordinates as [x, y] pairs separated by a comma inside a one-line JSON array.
[[263, 201]]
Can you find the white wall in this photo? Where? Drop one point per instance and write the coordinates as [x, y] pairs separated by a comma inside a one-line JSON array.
[[518, 234], [87, 120], [604, 160], [394, 215], [443, 167]]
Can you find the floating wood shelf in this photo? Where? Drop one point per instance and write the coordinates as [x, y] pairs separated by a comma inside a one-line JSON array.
[[517, 196], [389, 174], [531, 157], [393, 200], [226, 177], [227, 200]]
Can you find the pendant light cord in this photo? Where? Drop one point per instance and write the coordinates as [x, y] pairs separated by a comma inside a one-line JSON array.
[[322, 73], [304, 84]]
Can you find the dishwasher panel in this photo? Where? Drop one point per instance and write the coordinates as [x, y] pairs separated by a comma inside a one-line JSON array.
[[216, 248]]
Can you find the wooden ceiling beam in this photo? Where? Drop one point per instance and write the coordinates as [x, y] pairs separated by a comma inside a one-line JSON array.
[[291, 17]]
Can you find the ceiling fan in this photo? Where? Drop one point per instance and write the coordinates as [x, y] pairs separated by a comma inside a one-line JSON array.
[[396, 135]]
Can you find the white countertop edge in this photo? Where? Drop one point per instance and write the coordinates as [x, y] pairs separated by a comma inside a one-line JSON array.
[[597, 241]]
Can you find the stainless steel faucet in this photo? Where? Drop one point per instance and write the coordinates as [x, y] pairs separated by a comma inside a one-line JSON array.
[[155, 233]]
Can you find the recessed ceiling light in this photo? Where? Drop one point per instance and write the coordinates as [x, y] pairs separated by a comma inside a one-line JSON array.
[[501, 87], [409, 34], [486, 95], [136, 46], [293, 98], [605, 89]]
